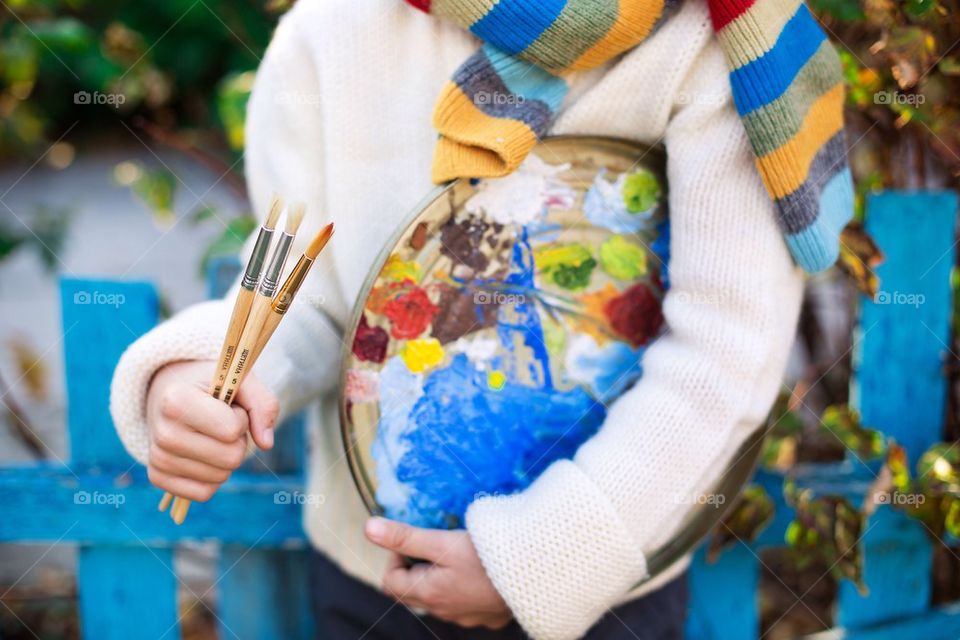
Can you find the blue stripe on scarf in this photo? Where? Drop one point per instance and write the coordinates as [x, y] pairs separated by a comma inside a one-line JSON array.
[[816, 247], [527, 80], [513, 25], [766, 78]]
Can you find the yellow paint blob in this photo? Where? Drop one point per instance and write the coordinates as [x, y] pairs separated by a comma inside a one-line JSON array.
[[396, 270], [421, 355], [496, 379]]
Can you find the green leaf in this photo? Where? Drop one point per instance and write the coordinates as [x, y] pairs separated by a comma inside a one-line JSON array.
[[950, 66], [50, 226], [63, 34], [202, 214], [919, 8], [744, 522], [845, 10], [9, 241], [784, 429], [157, 188], [230, 241], [844, 423], [232, 96]]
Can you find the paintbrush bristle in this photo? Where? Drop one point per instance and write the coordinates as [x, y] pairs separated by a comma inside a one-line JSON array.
[[294, 218], [319, 242], [276, 208]]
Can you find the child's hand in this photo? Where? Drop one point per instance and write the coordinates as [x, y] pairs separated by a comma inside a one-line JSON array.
[[453, 586], [196, 442]]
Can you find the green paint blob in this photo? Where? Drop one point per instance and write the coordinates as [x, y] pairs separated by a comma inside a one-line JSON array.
[[554, 334], [569, 266], [641, 191], [623, 259]]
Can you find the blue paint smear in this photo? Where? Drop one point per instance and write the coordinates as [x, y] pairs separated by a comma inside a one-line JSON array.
[[472, 440], [399, 392], [446, 437], [661, 247], [610, 371], [604, 206], [462, 438]]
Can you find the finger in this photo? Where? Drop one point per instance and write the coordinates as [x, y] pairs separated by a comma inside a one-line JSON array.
[[185, 443], [409, 585], [197, 410], [424, 544], [185, 467], [182, 487], [262, 408], [395, 561]]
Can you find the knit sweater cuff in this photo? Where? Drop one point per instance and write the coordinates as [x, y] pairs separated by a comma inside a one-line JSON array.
[[557, 553], [194, 334]]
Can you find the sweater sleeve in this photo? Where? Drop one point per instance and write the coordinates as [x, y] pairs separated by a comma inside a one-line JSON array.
[[575, 542], [300, 362]]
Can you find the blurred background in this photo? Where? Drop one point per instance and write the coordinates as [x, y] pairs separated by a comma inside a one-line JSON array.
[[121, 155]]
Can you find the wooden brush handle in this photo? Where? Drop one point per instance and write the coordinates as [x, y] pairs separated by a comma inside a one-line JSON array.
[[248, 349], [241, 311]]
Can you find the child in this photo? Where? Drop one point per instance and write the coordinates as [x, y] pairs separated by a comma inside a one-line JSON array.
[[340, 118]]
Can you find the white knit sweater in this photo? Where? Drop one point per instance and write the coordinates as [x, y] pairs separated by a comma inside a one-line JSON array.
[[340, 118]]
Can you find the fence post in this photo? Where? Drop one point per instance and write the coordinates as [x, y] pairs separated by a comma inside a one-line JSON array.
[[124, 591], [901, 387]]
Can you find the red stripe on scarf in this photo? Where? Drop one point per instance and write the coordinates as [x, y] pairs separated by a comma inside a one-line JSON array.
[[723, 12]]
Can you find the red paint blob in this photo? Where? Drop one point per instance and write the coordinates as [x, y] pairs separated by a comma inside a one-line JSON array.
[[410, 313], [635, 314], [423, 5], [370, 343]]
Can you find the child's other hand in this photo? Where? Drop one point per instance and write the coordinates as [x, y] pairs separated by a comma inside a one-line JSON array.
[[196, 442], [452, 585]]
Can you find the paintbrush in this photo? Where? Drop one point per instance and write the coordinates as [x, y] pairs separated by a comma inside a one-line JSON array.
[[241, 307], [257, 316], [281, 302]]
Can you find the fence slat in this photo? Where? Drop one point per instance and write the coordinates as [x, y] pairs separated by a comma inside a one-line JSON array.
[[723, 596], [125, 592], [900, 384], [901, 388], [264, 594]]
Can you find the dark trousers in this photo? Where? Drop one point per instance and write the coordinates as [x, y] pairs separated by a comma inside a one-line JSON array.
[[347, 609]]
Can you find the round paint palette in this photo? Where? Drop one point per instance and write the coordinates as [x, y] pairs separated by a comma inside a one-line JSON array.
[[498, 324]]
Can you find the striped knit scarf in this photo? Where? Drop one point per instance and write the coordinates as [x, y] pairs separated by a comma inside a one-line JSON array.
[[785, 76]]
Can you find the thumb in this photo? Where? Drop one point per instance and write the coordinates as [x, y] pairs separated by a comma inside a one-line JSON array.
[[261, 407]]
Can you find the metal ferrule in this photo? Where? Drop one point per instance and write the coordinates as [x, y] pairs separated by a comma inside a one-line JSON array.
[[255, 265], [291, 285], [271, 277]]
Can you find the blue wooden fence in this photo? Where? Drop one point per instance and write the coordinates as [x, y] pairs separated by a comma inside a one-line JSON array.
[[899, 388], [126, 577]]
